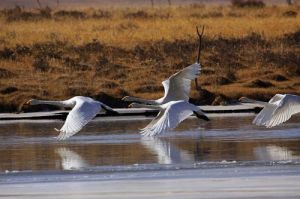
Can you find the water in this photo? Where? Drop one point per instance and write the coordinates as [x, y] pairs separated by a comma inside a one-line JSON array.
[[114, 145], [227, 157]]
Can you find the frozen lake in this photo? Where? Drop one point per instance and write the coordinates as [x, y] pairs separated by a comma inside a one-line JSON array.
[[227, 153]]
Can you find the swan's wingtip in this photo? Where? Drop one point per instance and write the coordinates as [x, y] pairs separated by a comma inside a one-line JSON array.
[[62, 135]]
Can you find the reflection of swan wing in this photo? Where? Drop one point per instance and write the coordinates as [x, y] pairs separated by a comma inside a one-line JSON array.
[[274, 153], [70, 160], [166, 152]]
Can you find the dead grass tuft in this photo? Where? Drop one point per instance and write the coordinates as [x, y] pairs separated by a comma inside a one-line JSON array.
[[8, 90], [7, 53], [277, 77], [248, 3], [290, 13], [18, 14], [259, 84], [70, 13], [4, 74], [41, 64], [149, 89]]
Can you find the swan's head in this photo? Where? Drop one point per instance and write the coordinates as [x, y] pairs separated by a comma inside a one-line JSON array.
[[32, 102], [134, 105], [245, 100], [127, 99]]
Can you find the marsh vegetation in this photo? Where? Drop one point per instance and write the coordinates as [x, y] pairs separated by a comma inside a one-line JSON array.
[[109, 53]]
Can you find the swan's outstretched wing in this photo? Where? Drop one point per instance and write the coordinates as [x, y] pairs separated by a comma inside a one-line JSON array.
[[264, 115], [276, 98], [278, 112], [269, 108], [168, 118], [79, 116], [178, 86], [156, 119]]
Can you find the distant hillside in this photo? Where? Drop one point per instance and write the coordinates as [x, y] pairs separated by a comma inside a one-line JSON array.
[[108, 3]]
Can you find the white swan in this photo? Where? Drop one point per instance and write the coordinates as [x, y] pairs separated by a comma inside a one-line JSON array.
[[84, 109], [170, 115], [177, 87], [279, 109]]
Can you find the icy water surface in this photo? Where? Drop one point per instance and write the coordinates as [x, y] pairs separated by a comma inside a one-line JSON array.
[[114, 144]]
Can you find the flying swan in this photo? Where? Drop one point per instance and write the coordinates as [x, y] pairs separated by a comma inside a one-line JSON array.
[[170, 115], [84, 109], [279, 109], [177, 86]]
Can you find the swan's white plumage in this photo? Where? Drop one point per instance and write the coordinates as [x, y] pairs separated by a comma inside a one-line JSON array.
[[278, 110], [84, 111], [171, 114], [176, 87]]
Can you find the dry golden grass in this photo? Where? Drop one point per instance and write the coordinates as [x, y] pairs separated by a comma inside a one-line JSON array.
[[168, 23], [130, 51]]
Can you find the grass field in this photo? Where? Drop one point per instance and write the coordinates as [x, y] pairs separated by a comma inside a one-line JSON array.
[[109, 53]]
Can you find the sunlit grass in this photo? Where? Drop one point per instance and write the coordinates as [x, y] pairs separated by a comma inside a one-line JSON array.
[[127, 32], [140, 47]]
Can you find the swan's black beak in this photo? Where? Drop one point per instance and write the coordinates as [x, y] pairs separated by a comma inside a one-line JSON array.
[[201, 116], [113, 113], [204, 117]]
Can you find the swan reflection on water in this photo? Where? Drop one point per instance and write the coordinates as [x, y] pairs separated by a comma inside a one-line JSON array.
[[70, 160], [166, 152], [273, 152], [163, 149]]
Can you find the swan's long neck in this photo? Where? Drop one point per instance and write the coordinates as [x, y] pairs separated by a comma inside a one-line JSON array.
[[147, 106], [55, 103], [247, 100], [140, 100]]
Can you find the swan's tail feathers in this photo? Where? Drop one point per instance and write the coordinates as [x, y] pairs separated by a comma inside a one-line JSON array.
[[201, 115], [109, 110]]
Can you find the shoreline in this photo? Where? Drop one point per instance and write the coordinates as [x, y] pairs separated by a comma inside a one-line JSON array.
[[123, 112]]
